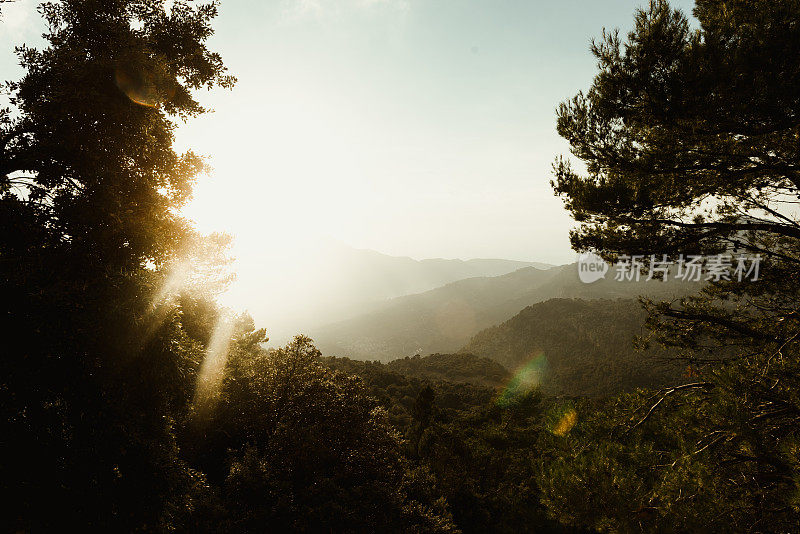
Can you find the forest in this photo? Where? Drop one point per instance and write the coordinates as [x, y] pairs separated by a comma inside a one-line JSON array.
[[133, 401]]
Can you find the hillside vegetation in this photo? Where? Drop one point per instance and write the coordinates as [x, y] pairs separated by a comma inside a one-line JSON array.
[[579, 347], [458, 368], [397, 385]]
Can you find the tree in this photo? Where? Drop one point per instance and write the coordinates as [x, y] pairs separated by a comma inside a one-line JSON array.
[[293, 445], [689, 139], [101, 368]]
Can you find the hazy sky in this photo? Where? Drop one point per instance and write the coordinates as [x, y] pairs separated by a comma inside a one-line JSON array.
[[423, 128]]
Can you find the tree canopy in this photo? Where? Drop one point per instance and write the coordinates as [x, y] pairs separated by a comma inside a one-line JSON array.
[[688, 136], [101, 366]]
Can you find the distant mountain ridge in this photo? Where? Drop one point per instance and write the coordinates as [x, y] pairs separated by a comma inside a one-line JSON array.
[[444, 319], [335, 282], [440, 320]]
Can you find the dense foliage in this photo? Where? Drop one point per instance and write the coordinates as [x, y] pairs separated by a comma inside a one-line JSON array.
[[579, 347], [397, 385], [479, 444], [290, 445], [689, 139], [101, 367], [453, 368]]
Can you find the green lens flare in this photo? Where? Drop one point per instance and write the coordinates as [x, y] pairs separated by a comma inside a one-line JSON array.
[[527, 378]]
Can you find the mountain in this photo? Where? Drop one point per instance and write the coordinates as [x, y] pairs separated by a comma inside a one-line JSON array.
[[443, 319], [333, 282], [577, 347], [366, 275], [440, 320]]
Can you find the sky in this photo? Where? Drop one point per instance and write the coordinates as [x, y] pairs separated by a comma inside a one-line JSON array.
[[421, 128]]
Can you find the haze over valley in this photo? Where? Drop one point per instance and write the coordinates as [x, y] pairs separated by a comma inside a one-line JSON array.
[[444, 319]]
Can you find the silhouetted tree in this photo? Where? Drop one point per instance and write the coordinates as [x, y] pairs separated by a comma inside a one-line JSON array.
[[295, 446], [97, 367], [689, 138]]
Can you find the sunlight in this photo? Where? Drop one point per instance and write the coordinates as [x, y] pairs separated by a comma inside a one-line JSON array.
[[282, 177], [211, 371], [176, 278]]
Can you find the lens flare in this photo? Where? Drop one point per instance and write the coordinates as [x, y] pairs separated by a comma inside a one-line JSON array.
[[143, 86], [565, 423], [527, 378]]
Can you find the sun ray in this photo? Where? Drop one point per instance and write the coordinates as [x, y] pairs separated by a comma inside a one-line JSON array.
[[211, 370]]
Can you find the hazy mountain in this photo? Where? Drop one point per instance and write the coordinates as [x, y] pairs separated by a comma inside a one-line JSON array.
[[333, 282], [366, 275], [569, 347], [440, 320], [577, 347], [443, 319]]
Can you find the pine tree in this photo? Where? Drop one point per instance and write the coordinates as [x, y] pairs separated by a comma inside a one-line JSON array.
[[690, 143]]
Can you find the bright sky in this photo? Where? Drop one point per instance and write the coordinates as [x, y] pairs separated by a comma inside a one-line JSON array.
[[422, 128]]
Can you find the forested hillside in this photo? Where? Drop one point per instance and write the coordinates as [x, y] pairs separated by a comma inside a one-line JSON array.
[[580, 347], [444, 319], [397, 385], [453, 368], [479, 446]]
